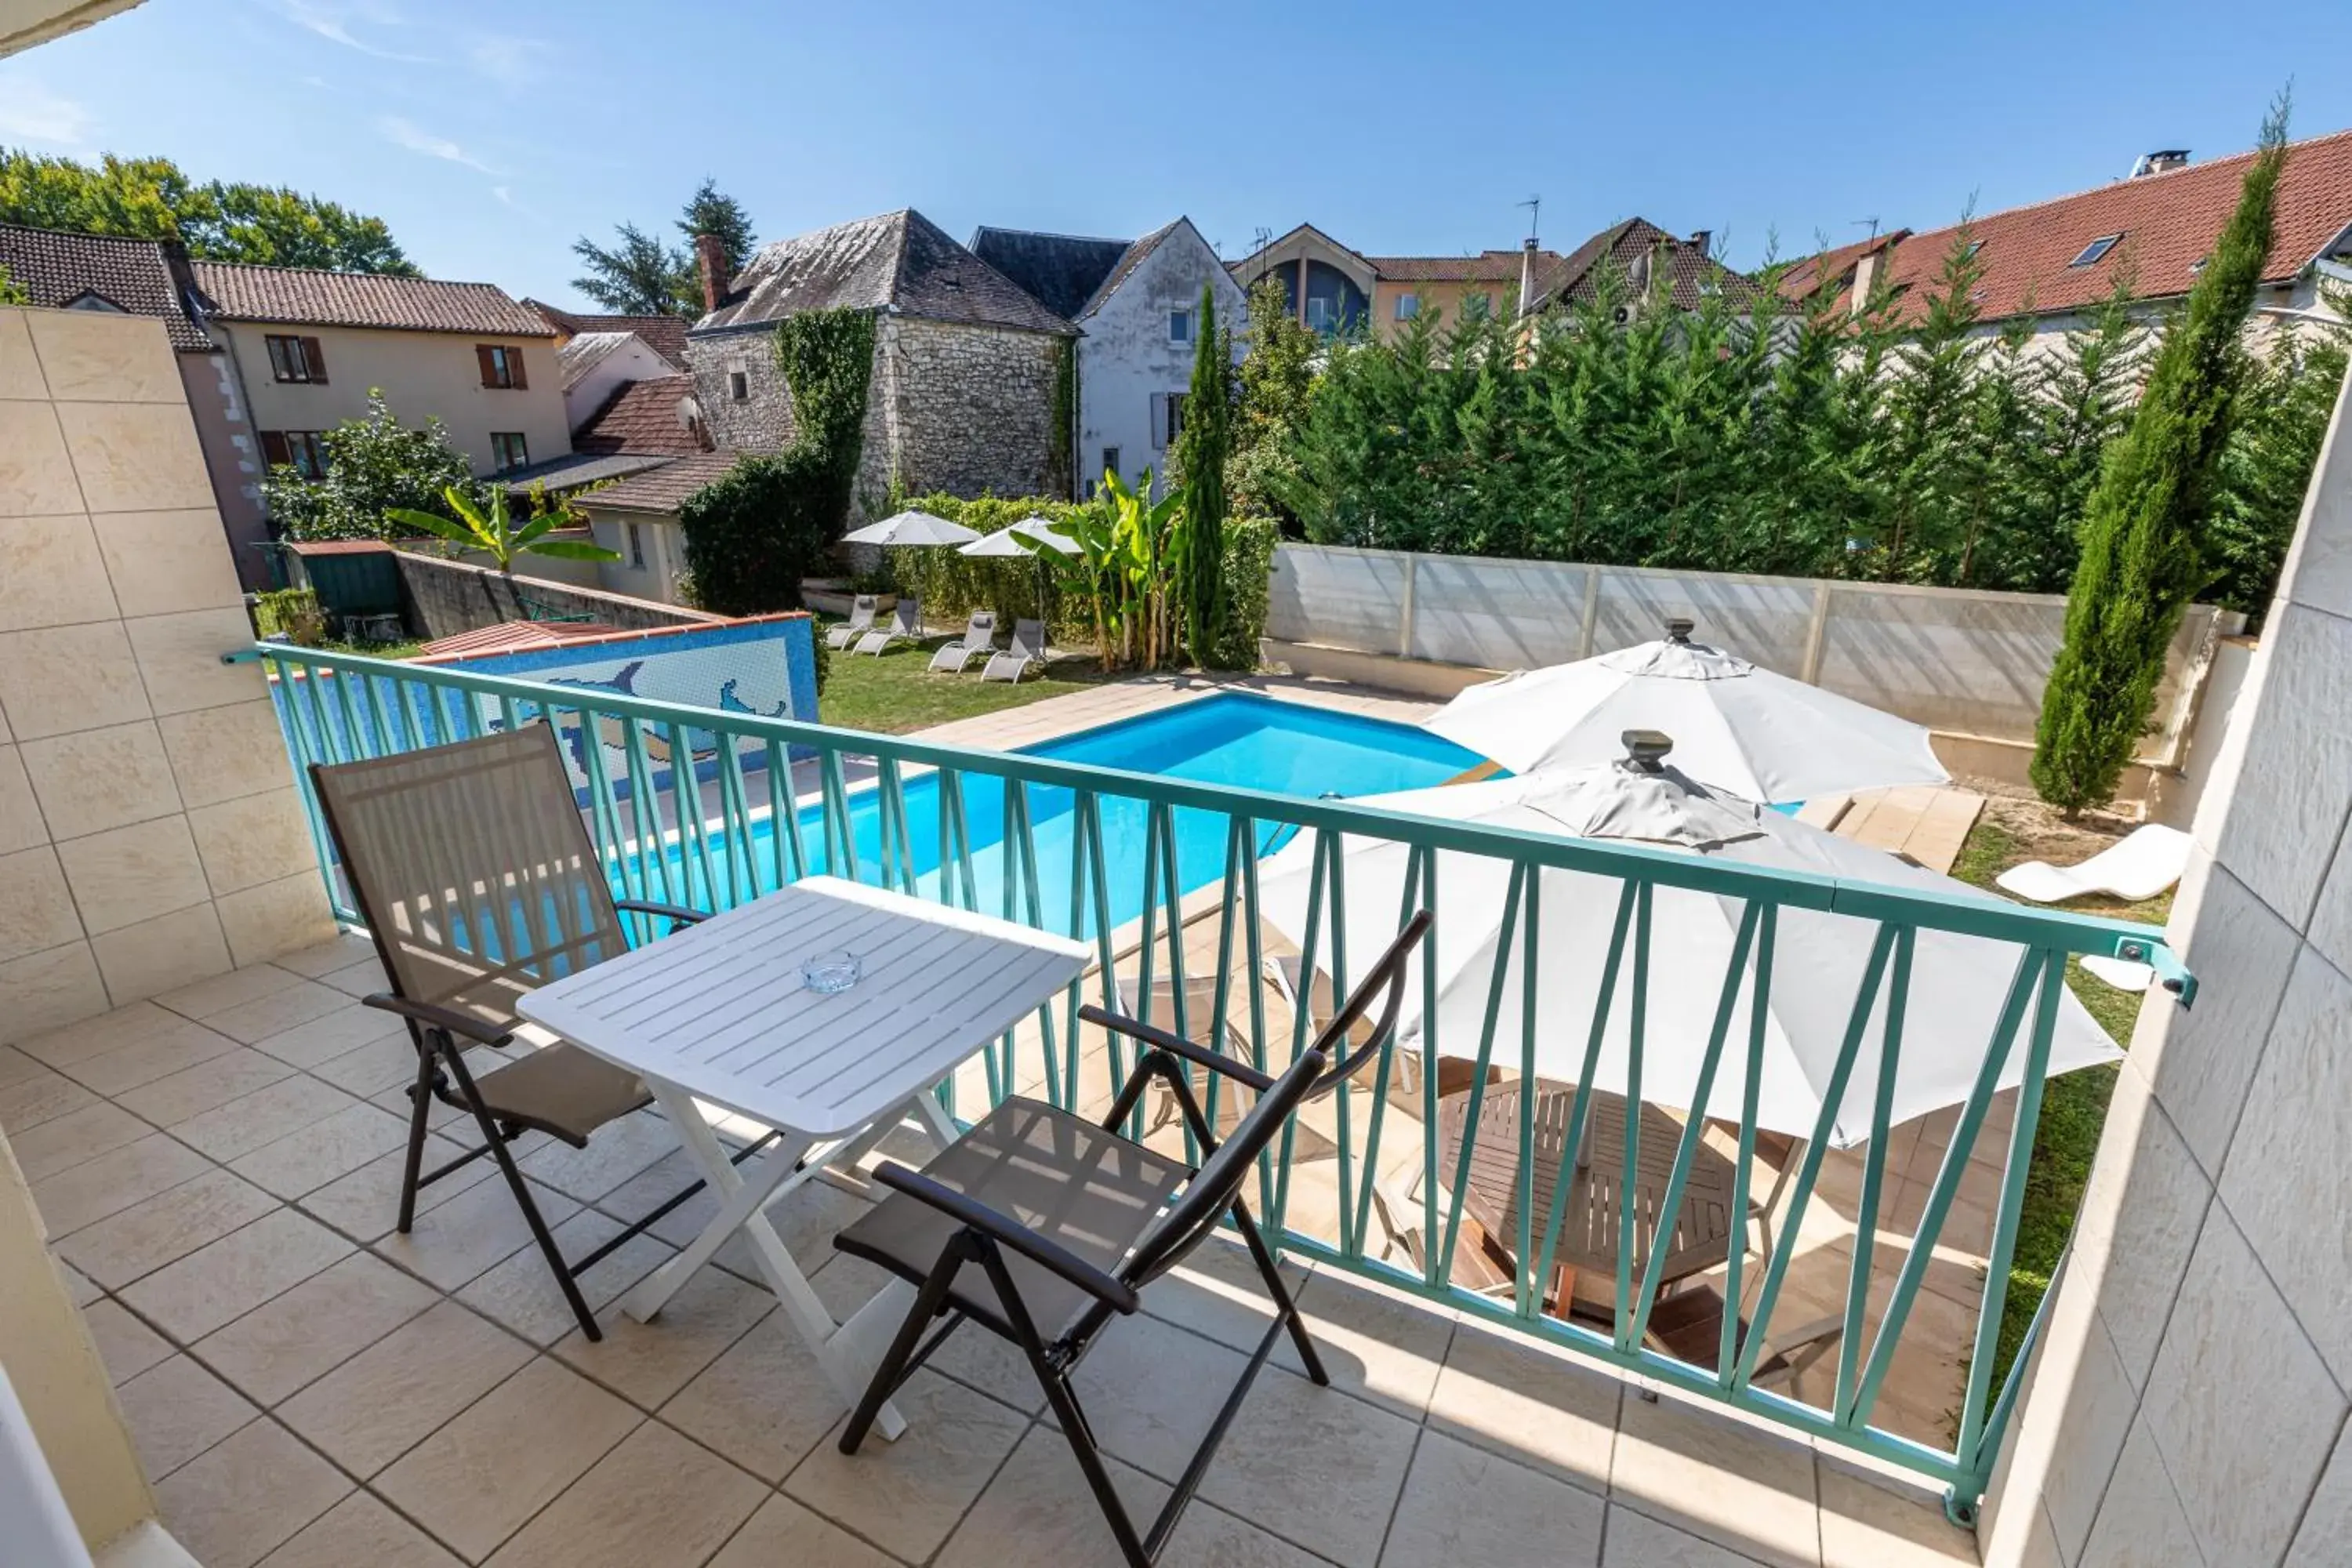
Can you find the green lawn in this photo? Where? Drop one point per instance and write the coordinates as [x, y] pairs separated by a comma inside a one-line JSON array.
[[2074, 1107], [896, 692]]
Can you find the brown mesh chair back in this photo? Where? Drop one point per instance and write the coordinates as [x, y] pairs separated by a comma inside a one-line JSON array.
[[470, 863]]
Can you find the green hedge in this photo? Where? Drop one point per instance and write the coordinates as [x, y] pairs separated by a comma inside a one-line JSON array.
[[953, 585]]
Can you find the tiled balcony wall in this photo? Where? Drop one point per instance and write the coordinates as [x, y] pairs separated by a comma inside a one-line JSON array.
[[2189, 1404], [150, 835]]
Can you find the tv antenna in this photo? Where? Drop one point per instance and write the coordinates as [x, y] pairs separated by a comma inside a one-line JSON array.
[[1535, 211], [1870, 223], [1261, 238]]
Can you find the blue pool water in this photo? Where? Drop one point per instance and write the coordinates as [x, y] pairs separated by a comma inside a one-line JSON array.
[[1231, 738]]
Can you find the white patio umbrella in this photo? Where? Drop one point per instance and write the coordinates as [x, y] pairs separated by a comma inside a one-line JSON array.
[[1760, 735], [909, 527], [1958, 983], [1030, 538]]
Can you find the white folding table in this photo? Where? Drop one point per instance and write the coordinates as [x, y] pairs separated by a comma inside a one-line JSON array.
[[719, 1012]]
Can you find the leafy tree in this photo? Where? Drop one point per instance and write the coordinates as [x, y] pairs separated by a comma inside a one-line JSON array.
[[752, 534], [11, 291], [2143, 547], [1200, 457], [710, 212], [487, 528], [1928, 408], [376, 467], [1278, 378], [637, 275], [2282, 414], [152, 198]]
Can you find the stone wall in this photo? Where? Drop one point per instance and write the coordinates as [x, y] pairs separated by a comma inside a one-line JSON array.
[[762, 420], [441, 598], [2187, 1403]]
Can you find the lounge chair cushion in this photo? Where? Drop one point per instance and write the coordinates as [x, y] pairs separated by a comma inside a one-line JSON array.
[[1089, 1190]]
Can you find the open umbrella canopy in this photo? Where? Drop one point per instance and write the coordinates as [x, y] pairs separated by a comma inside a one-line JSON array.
[[910, 527], [1760, 735], [1007, 542], [1958, 984]]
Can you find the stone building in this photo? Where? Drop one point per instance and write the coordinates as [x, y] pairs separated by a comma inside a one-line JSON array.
[[965, 362]]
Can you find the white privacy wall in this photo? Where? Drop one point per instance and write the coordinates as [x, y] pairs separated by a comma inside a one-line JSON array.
[[2187, 1403], [1954, 661]]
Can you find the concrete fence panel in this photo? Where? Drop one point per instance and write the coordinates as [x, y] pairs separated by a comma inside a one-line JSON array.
[[1769, 620], [1498, 614]]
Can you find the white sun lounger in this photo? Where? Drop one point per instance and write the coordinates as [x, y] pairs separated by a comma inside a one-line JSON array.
[[2143, 864], [978, 640], [841, 634], [905, 625], [1028, 648]]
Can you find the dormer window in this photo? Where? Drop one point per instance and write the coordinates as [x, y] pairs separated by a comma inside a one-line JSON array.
[[2090, 255]]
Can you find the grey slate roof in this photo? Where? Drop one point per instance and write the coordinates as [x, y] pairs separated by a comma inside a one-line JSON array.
[[1062, 273], [573, 469], [899, 260], [576, 356], [57, 268]]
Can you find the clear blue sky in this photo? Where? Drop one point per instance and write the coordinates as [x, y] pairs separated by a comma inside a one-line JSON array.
[[490, 134]]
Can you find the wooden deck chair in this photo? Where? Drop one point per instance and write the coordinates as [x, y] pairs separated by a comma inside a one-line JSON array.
[[905, 625], [1028, 648], [1042, 1227], [479, 882], [841, 634]]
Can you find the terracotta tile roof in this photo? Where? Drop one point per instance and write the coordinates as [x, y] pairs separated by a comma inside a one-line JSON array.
[[513, 636], [641, 417], [1486, 266], [134, 275], [1060, 271], [2169, 222], [305, 297], [1631, 245], [1833, 269], [665, 335], [665, 489], [898, 260]]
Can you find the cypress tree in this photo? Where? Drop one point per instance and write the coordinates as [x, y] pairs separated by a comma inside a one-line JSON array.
[[2142, 561], [1203, 441]]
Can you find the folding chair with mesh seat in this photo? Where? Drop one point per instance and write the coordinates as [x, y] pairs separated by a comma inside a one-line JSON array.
[[474, 874], [1042, 1227]]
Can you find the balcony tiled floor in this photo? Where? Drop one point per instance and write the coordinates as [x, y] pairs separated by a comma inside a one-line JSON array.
[[218, 1170]]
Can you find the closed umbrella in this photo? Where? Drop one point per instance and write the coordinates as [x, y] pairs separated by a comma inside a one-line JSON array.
[[1030, 537], [1760, 735], [1958, 983]]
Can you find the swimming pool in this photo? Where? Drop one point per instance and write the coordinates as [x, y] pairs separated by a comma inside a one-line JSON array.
[[1231, 738]]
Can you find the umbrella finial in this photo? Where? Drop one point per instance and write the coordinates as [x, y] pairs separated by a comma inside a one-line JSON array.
[[1679, 628], [1646, 749]]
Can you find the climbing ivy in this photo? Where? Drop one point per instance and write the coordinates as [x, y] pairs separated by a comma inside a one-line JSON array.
[[826, 358], [1061, 470]]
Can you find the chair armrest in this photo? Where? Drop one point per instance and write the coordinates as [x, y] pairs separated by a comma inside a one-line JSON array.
[[1047, 1255], [678, 913], [436, 1017], [1177, 1046]]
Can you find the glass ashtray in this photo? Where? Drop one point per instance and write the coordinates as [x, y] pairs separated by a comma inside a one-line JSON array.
[[830, 973]]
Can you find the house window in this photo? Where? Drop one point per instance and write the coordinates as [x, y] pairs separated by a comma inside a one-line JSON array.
[[299, 451], [297, 359], [636, 548], [2091, 253], [1173, 418], [1318, 313], [1179, 326], [739, 386], [501, 366], [1110, 461], [509, 450], [1408, 306], [1971, 253]]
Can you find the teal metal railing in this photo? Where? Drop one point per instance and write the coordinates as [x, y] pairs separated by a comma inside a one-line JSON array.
[[702, 806]]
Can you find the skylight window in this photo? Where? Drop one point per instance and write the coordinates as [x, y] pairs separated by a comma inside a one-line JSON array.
[[2091, 253]]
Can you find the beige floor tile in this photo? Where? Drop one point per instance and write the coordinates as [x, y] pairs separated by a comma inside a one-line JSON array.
[[361, 1533], [1038, 1508], [159, 1056], [384, 1401], [1734, 1483], [126, 1345], [235, 1504], [106, 1032], [365, 978], [1637, 1541], [658, 1497], [1151, 1389], [229, 1132], [1463, 1505], [763, 1404], [909, 1495], [615, 1152], [1373, 1344], [88, 1193], [1210, 1538], [129, 1246], [365, 1204], [782, 1532], [69, 1140], [1870, 1520], [80, 1288], [222, 992], [523, 1294], [647, 1363], [285, 1343], [176, 1410], [226, 1278], [31, 1099], [340, 951], [274, 1014], [1218, 1292], [477, 1479], [1317, 1466], [345, 1028], [389, 1062], [1529, 1404], [16, 1066], [232, 1075], [995, 1366], [472, 1231], [311, 1156]]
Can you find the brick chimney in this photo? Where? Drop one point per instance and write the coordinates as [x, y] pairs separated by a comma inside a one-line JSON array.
[[1701, 238], [710, 260]]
